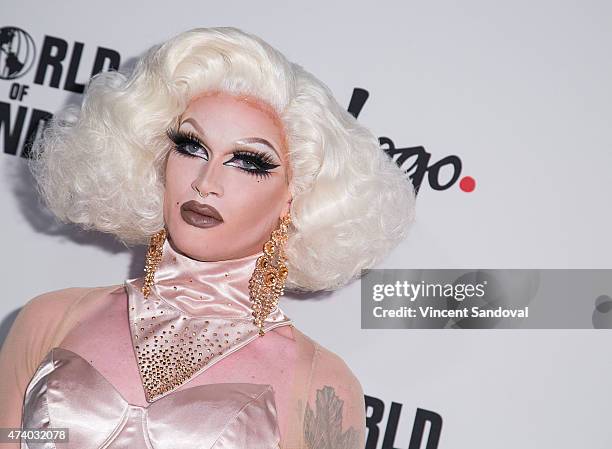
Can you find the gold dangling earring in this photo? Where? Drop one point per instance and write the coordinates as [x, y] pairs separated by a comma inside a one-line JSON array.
[[154, 255], [268, 280]]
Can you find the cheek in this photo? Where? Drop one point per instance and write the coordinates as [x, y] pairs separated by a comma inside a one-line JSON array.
[[257, 203], [178, 178], [180, 172]]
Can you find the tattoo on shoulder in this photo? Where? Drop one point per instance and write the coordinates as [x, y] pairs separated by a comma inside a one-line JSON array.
[[323, 427]]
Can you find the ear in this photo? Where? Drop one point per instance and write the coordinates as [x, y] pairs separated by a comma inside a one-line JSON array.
[[287, 207]]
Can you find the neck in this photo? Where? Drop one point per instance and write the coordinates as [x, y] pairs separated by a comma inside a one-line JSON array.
[[218, 288]]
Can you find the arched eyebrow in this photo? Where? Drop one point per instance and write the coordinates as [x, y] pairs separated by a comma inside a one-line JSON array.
[[246, 141]]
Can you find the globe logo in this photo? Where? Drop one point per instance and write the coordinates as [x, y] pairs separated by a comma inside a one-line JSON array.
[[17, 52]]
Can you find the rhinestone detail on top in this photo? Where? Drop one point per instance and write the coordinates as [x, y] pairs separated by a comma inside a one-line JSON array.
[[172, 348]]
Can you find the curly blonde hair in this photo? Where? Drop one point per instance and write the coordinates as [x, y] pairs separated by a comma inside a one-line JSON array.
[[101, 165]]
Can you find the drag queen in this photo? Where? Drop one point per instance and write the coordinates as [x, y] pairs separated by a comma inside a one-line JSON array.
[[244, 176]]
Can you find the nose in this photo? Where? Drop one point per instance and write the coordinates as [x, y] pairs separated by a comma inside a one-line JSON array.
[[207, 181]]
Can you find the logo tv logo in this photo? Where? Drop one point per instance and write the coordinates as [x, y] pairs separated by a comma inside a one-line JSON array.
[[420, 166]]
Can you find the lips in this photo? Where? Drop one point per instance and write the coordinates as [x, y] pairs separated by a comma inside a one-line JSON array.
[[200, 215]]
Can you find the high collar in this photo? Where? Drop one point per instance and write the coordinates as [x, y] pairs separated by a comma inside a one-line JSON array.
[[204, 288], [197, 313]]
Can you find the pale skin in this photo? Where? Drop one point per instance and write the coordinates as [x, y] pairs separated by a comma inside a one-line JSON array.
[[246, 201]]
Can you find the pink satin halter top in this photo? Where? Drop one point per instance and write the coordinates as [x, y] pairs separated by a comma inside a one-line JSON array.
[[197, 314]]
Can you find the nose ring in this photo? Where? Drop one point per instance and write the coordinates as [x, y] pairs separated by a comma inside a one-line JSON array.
[[200, 193]]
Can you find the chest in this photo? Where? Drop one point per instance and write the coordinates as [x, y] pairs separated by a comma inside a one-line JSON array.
[[103, 339]]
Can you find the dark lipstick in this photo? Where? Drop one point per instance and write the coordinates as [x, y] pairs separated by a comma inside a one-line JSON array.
[[200, 215]]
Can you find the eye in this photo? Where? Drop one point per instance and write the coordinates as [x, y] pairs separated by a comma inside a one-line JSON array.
[[187, 143], [255, 163]]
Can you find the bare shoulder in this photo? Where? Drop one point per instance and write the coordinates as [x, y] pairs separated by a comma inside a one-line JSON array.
[[332, 372], [335, 409], [328, 363], [333, 366]]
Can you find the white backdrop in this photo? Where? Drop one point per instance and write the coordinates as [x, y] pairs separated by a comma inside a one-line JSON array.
[[518, 91]]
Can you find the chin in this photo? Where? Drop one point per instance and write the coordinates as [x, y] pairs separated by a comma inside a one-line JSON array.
[[189, 240]]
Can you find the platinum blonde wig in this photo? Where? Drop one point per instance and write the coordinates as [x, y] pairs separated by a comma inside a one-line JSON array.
[[102, 165]]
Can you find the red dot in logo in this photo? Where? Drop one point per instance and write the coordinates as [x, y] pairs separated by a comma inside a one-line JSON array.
[[467, 184]]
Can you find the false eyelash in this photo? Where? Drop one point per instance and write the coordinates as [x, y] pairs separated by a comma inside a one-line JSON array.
[[179, 137], [261, 159], [257, 157]]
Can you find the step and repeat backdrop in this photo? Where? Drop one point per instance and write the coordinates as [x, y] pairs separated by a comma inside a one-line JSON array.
[[498, 112]]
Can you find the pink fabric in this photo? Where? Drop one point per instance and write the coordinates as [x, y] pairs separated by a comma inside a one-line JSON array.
[[202, 306], [197, 314], [69, 358], [217, 289], [66, 391]]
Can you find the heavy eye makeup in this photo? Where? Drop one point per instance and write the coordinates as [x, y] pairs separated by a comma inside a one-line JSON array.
[[188, 144]]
